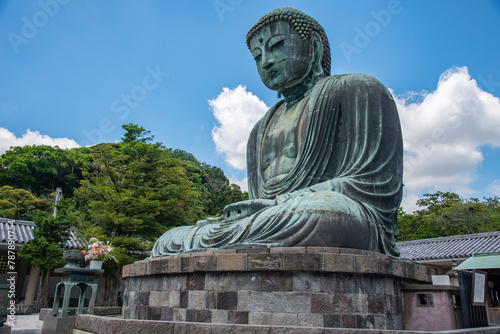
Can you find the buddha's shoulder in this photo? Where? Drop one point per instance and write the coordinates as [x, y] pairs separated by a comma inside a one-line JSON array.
[[351, 80]]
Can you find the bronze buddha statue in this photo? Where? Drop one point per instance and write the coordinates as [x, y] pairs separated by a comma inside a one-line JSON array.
[[324, 165]]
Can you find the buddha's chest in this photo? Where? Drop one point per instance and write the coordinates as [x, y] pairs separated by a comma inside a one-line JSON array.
[[280, 145]]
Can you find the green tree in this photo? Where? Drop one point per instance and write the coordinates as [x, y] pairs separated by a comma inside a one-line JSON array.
[[212, 184], [493, 209], [45, 249], [447, 214], [40, 169], [134, 191], [227, 194], [20, 204], [136, 133], [196, 176]]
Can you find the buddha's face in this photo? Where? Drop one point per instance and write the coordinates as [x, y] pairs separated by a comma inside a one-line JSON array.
[[283, 58]]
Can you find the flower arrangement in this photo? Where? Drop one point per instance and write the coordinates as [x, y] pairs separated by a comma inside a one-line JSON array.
[[98, 251]]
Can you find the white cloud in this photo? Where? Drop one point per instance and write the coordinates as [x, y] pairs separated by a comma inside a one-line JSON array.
[[8, 139], [409, 202], [243, 183], [443, 134], [494, 188], [237, 111]]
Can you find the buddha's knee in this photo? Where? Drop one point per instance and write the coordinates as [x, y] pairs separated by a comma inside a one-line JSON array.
[[331, 202], [336, 220]]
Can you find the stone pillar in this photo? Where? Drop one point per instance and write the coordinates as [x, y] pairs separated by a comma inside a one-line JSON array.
[[32, 285], [100, 292], [21, 276]]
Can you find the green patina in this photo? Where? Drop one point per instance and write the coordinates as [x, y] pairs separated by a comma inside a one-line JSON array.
[[324, 164]]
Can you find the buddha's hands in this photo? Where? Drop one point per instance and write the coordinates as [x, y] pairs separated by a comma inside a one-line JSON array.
[[210, 220], [244, 209], [330, 185], [292, 195]]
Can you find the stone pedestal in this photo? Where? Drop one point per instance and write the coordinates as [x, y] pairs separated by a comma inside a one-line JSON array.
[[58, 325], [301, 286]]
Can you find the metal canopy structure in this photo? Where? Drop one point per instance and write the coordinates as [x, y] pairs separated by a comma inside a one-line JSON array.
[[481, 261]]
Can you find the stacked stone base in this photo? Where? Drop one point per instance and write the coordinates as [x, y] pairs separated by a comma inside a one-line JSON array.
[[303, 286], [91, 324]]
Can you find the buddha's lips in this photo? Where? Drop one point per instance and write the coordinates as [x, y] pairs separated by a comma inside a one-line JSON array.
[[270, 73]]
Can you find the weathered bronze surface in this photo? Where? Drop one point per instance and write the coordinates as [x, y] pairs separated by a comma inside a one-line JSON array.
[[324, 164]]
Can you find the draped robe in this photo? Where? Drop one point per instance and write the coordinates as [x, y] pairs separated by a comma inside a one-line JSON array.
[[344, 188]]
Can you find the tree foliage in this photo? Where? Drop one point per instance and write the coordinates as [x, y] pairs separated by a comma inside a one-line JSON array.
[[135, 190], [447, 214], [49, 237], [21, 204], [128, 193], [41, 169], [136, 133], [213, 184]]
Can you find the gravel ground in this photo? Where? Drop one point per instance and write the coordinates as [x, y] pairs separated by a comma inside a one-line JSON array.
[[26, 324]]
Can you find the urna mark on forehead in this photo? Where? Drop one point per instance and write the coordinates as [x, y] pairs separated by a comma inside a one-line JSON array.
[[279, 28]]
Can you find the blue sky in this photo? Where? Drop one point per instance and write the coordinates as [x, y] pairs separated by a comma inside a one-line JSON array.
[[72, 72]]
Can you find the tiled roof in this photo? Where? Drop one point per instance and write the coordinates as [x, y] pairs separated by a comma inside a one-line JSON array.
[[23, 232], [456, 247]]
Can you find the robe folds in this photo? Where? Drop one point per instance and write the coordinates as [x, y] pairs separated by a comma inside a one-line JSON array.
[[344, 188]]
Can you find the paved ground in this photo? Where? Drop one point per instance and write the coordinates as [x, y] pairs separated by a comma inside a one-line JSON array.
[[26, 324]]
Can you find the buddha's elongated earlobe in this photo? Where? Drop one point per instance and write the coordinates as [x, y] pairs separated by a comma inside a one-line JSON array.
[[279, 95], [317, 45], [318, 71]]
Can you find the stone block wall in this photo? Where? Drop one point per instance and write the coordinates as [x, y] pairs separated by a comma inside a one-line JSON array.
[[310, 287]]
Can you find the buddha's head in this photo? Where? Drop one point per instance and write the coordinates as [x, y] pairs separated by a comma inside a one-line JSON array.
[[289, 47]]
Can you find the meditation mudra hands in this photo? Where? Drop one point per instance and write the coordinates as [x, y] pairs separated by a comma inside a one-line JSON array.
[[239, 210], [243, 209]]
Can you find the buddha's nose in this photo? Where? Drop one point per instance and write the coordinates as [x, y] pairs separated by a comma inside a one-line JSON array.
[[267, 60]]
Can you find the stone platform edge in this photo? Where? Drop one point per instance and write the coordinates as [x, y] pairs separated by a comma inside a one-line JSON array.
[[99, 310], [311, 259], [105, 325]]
